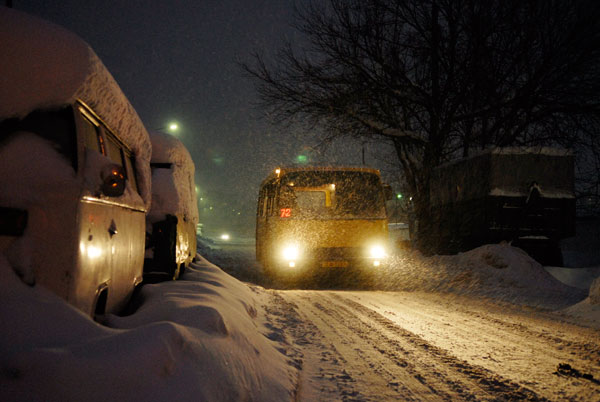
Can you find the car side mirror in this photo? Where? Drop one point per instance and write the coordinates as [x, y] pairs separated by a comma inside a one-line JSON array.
[[113, 180], [387, 190]]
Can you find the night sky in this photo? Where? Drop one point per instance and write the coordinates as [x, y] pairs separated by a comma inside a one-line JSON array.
[[176, 61]]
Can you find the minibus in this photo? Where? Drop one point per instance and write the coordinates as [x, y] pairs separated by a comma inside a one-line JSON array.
[[173, 217], [312, 219], [74, 163]]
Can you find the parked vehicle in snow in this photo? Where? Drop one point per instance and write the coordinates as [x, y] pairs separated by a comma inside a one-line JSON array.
[[321, 218], [74, 163], [521, 195], [173, 217]]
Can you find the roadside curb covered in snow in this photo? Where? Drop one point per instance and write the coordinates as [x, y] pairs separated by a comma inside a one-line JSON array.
[[200, 338]]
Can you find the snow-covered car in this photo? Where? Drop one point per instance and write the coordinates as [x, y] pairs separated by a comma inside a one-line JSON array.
[[173, 218], [74, 168]]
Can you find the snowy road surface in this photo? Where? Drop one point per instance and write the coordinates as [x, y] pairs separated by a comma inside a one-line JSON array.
[[422, 346], [489, 324]]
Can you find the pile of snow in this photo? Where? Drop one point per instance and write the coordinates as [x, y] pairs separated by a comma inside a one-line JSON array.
[[588, 309], [497, 271], [202, 338], [46, 66], [173, 190]]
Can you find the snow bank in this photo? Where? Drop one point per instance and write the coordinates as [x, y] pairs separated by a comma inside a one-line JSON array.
[[594, 294], [588, 309], [47, 66], [173, 190], [497, 271], [196, 339]]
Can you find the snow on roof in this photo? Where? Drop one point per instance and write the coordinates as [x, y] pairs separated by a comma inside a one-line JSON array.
[[45, 66], [280, 171], [173, 190], [546, 151]]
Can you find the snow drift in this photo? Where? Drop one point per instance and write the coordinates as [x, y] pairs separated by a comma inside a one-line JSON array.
[[497, 271], [196, 339]]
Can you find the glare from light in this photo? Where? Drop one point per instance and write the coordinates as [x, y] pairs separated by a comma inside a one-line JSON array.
[[290, 252], [173, 127], [277, 171], [377, 252], [225, 236], [93, 252], [292, 264], [376, 263]]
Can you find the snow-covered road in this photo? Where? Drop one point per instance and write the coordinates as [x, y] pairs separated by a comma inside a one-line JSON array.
[[487, 325], [490, 324], [423, 346]]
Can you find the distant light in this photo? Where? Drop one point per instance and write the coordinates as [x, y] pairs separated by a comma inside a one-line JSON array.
[[225, 236], [398, 196], [173, 127], [277, 171], [301, 158]]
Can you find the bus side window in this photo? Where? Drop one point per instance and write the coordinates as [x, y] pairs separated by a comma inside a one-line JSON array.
[[260, 205], [269, 205], [114, 150], [130, 171], [90, 135]]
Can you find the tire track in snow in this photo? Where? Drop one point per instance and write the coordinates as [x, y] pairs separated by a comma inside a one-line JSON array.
[[384, 361], [469, 382], [524, 346], [372, 377]]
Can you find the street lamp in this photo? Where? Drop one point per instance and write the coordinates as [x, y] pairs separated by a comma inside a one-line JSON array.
[[173, 127], [170, 128]]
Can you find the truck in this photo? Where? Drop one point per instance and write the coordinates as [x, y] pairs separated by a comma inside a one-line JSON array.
[[524, 196]]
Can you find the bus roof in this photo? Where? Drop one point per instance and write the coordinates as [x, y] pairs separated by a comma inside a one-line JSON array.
[[46, 66], [280, 171]]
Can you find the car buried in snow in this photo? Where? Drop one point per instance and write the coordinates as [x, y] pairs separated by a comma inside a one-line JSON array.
[[172, 220], [321, 221], [74, 163]]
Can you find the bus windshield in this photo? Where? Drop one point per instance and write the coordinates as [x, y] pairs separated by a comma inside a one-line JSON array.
[[331, 194]]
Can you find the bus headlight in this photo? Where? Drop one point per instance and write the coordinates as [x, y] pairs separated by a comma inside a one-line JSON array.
[[377, 252], [290, 252]]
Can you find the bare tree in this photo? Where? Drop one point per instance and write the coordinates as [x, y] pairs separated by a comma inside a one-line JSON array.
[[440, 79]]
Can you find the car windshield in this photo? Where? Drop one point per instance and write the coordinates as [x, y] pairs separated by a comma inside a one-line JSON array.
[[332, 194]]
